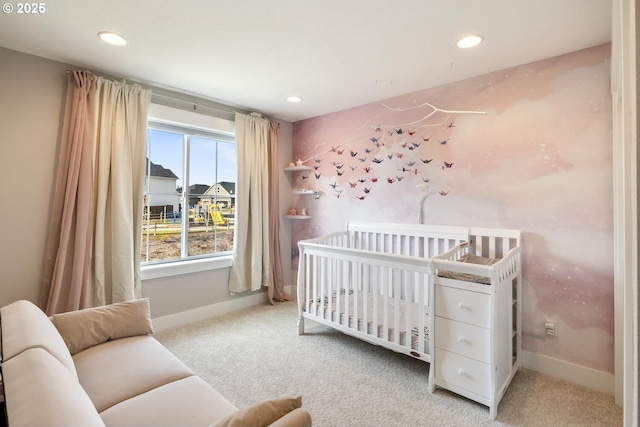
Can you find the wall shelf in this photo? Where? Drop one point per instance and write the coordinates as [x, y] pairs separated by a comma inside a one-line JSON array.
[[297, 168], [296, 171], [296, 216]]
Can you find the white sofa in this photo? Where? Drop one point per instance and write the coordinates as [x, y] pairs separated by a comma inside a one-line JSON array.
[[101, 367]]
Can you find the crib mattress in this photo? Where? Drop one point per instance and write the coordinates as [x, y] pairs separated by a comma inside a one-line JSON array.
[[369, 327]]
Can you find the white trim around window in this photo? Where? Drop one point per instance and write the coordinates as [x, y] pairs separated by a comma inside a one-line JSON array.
[[166, 269]]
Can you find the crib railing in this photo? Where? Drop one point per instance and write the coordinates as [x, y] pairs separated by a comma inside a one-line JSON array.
[[492, 243], [372, 296], [417, 240]]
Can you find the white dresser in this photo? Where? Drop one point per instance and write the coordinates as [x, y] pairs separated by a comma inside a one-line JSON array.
[[476, 338]]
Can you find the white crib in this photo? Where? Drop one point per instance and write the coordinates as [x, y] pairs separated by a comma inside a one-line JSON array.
[[400, 286]]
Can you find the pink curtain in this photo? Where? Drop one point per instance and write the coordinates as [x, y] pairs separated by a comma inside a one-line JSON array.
[[276, 280], [67, 277]]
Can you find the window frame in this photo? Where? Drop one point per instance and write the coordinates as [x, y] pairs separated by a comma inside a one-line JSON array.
[[192, 128]]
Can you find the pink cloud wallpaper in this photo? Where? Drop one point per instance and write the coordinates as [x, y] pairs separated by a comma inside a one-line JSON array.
[[528, 147]]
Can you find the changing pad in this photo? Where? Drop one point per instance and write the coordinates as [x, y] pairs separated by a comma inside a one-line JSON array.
[[471, 259]]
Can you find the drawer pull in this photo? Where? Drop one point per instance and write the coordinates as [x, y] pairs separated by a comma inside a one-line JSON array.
[[461, 306], [461, 339], [460, 372]]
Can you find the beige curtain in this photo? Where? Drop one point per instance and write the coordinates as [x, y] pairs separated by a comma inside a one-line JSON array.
[[119, 179], [67, 277], [276, 279], [250, 269], [93, 248]]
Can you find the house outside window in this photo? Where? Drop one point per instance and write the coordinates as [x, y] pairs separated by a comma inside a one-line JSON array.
[[189, 203]]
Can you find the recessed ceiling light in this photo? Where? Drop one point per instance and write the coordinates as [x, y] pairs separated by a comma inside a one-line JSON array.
[[112, 38], [470, 41], [294, 99]]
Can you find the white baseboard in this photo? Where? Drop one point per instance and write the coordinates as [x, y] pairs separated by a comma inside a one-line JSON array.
[[197, 314], [603, 382]]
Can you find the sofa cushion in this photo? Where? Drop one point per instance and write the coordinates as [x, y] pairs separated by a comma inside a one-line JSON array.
[[25, 326], [186, 402], [260, 414], [40, 391], [121, 369], [85, 328]]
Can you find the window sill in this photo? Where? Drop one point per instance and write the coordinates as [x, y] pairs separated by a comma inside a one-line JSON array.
[[155, 271]]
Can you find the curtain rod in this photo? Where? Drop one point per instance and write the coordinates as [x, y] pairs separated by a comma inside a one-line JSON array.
[[195, 104]]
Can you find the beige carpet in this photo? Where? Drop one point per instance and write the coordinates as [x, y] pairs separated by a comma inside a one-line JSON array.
[[255, 354]]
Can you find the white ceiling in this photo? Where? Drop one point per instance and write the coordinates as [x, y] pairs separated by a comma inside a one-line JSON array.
[[335, 54]]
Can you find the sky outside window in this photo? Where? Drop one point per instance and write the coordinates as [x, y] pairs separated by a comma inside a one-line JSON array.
[[166, 149]]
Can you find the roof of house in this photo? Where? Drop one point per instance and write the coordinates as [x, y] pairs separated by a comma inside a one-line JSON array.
[[158, 170], [230, 187], [198, 189]]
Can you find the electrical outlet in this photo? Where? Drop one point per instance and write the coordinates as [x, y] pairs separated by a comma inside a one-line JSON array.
[[551, 328]]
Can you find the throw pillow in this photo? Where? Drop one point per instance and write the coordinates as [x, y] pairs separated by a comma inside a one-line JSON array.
[[92, 326], [260, 414]]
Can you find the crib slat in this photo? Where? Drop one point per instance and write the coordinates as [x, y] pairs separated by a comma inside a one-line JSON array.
[[492, 247], [338, 279], [397, 285], [375, 282], [422, 304], [505, 246]]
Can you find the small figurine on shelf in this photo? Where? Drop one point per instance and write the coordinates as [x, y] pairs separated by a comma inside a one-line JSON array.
[[291, 164], [293, 211], [304, 212], [299, 163]]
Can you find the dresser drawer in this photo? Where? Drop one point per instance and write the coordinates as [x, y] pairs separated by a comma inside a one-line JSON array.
[[463, 372], [461, 338], [465, 306]]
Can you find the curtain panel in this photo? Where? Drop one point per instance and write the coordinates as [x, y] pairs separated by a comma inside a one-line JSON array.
[[250, 269], [119, 180], [276, 278], [67, 277]]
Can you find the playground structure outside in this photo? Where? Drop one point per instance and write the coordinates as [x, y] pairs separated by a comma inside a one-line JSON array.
[[207, 234]]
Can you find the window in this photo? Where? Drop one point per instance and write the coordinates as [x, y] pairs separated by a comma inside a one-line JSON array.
[[189, 193]]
